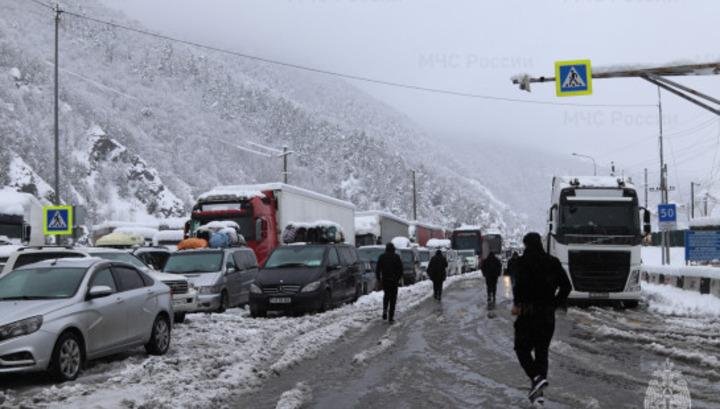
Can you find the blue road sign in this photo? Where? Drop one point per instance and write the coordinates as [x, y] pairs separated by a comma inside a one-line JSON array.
[[573, 78], [57, 220], [702, 245], [667, 213]]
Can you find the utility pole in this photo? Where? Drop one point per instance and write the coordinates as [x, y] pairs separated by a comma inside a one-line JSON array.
[[663, 183], [284, 155], [57, 86], [414, 193], [706, 203], [692, 199], [646, 188]]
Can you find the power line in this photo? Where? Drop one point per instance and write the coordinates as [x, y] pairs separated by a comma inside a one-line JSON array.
[[343, 75]]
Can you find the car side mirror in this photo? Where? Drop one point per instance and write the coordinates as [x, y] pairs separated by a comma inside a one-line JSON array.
[[99, 291], [647, 227], [229, 268], [551, 218]]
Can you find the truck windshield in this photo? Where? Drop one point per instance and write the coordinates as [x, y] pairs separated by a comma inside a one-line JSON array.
[[494, 242], [370, 255], [599, 218], [407, 257], [466, 241], [296, 256], [41, 283], [11, 226], [194, 262]]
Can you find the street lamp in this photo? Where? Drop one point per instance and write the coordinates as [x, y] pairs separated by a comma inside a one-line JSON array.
[[588, 157]]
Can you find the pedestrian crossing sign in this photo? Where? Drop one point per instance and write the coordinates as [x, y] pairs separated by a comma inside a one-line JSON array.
[[573, 78], [57, 220]]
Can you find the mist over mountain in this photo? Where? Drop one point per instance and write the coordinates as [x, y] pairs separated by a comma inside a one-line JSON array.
[[146, 125]]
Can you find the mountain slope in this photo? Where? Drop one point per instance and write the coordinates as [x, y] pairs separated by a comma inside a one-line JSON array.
[[184, 110]]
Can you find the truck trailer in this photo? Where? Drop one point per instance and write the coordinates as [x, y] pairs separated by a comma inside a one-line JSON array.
[[21, 218], [376, 227], [263, 211], [595, 229], [420, 232]]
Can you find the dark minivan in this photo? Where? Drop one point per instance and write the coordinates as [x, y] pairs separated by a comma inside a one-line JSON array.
[[300, 278]]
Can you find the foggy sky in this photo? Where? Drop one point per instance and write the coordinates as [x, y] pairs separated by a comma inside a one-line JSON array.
[[476, 46]]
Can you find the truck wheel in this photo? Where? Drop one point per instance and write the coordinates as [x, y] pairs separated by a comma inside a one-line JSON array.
[[631, 304], [67, 357], [179, 317], [326, 302]]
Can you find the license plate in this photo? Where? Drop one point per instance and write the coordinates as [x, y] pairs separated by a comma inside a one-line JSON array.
[[599, 296], [280, 300]]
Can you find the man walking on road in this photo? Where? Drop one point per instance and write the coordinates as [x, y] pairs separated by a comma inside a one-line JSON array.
[[491, 268], [512, 267], [389, 271], [437, 271], [541, 286]]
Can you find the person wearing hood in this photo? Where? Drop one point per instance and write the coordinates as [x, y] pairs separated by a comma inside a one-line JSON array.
[[437, 271], [541, 286], [491, 268], [389, 271]]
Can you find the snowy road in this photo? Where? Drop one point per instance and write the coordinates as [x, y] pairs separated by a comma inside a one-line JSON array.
[[447, 355], [451, 355]]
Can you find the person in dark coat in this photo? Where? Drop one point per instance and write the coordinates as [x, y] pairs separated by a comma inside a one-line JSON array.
[[491, 268], [389, 271], [437, 271], [541, 286], [512, 267]]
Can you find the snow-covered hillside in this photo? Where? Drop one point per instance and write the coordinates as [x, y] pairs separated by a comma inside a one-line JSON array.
[[167, 119]]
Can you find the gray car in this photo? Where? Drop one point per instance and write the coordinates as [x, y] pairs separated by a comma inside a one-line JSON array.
[[222, 276], [56, 314]]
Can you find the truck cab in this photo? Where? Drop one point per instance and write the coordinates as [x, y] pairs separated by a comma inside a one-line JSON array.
[[595, 230]]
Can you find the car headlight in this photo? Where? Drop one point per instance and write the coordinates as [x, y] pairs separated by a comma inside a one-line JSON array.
[[312, 287], [255, 289], [20, 328], [210, 289]]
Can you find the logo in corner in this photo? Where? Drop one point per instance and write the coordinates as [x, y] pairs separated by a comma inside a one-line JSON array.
[[667, 390]]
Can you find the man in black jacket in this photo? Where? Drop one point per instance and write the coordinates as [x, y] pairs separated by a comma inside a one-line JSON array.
[[389, 271], [437, 271], [512, 267], [541, 286], [491, 268]]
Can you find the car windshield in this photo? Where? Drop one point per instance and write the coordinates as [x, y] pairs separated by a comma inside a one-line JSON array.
[[296, 256], [467, 240], [407, 257], [599, 218], [424, 256], [201, 262], [120, 256], [466, 253], [41, 283], [370, 255]]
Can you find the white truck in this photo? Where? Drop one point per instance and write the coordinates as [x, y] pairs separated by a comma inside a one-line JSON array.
[[21, 218], [376, 227], [263, 211], [595, 229]]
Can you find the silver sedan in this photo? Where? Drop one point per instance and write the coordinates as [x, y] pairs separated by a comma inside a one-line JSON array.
[[57, 314]]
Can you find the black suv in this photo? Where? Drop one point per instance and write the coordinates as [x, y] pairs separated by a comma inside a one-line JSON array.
[[301, 278]]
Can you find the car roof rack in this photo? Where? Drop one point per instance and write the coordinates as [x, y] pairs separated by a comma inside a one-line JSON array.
[[67, 247]]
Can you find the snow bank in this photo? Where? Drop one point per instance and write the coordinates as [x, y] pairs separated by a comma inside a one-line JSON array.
[[215, 356], [295, 398], [438, 243], [668, 300], [685, 271]]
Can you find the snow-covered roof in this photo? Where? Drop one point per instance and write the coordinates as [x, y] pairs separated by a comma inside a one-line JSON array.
[[146, 232], [492, 230], [593, 181], [16, 203], [414, 223], [469, 227], [317, 223], [369, 224], [380, 213], [401, 242], [119, 239], [438, 243], [254, 190]]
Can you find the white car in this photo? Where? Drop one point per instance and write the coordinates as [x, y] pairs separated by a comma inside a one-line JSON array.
[[184, 294]]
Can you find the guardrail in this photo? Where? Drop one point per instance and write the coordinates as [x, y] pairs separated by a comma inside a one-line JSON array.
[[705, 280]]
